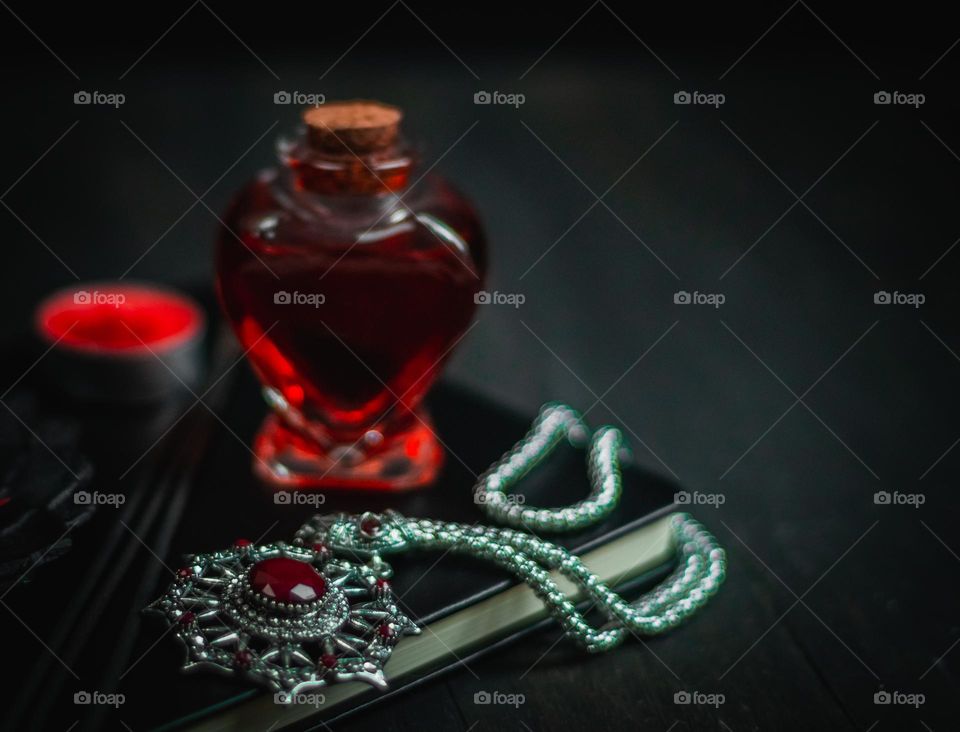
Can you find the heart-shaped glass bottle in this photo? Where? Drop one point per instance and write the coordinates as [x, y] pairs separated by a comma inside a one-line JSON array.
[[349, 280]]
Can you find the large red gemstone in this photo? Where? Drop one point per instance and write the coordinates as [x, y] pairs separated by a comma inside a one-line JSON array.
[[287, 580]]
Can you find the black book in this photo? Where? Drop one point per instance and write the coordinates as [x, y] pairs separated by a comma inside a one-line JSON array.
[[469, 606]]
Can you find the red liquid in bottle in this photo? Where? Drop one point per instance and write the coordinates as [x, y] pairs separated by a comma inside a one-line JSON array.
[[348, 301]]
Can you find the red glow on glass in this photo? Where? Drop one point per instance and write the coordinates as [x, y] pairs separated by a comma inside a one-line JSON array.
[[412, 446]]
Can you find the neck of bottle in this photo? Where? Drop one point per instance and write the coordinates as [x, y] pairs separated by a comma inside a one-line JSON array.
[[347, 173]]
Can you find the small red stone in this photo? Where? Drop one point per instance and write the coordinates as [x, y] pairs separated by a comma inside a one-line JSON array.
[[328, 660], [187, 618], [383, 585], [242, 659], [321, 548], [241, 543], [370, 526], [287, 580], [184, 573], [386, 631]]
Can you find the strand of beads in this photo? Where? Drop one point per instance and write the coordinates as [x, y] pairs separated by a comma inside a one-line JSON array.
[[554, 423], [700, 571], [701, 565]]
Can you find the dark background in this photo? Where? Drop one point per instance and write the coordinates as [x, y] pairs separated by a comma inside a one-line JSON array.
[[796, 400]]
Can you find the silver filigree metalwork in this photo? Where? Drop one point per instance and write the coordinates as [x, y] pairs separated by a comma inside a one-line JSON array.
[[346, 634]]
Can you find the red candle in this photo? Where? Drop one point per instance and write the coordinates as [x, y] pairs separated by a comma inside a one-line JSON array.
[[121, 342]]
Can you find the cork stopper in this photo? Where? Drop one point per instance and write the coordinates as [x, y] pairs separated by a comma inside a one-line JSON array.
[[358, 126]]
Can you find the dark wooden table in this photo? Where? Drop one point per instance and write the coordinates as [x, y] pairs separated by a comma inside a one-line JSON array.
[[796, 405]]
